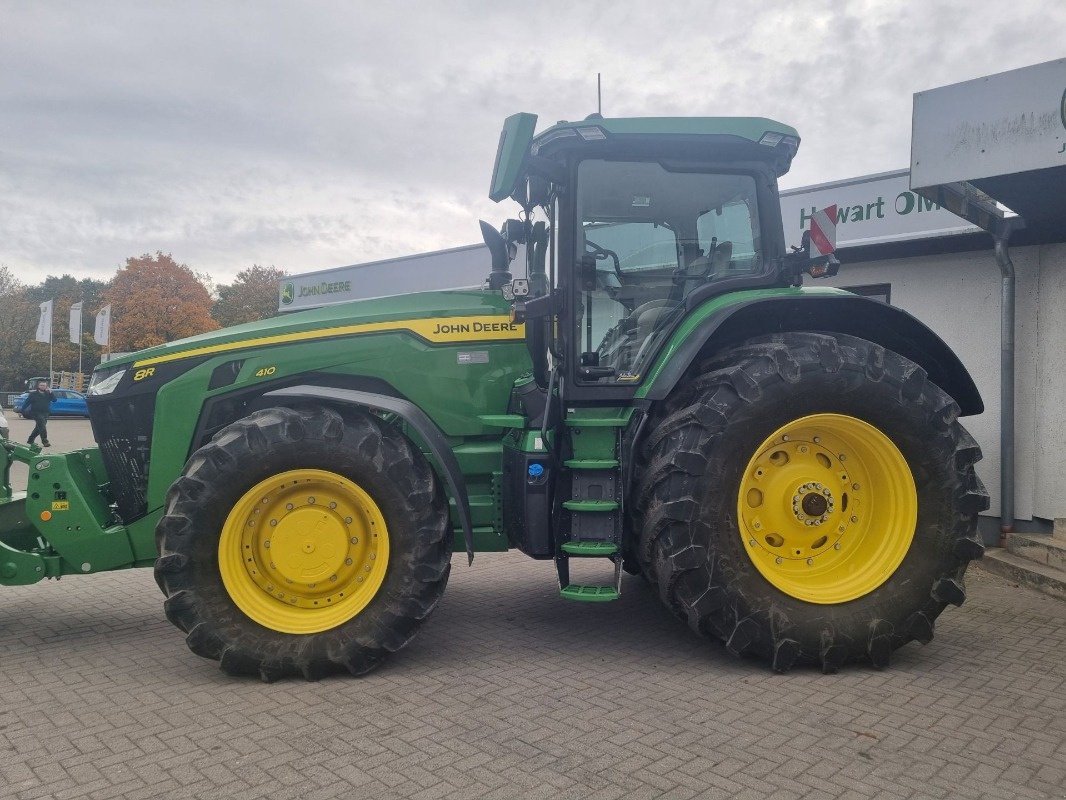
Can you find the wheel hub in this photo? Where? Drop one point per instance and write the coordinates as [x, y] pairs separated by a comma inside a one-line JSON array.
[[812, 503], [308, 545]]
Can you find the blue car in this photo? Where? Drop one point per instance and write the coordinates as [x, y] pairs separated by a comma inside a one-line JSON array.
[[65, 403]]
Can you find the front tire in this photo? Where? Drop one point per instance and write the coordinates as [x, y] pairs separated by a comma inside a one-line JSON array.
[[809, 498], [303, 542]]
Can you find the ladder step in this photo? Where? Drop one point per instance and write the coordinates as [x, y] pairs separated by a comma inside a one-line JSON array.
[[596, 422], [590, 548], [591, 463], [590, 505], [589, 594]]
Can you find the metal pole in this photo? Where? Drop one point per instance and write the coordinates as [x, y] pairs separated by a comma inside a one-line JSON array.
[[1006, 384], [81, 337]]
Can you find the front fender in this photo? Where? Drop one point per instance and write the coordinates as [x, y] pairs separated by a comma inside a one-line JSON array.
[[729, 319], [413, 416]]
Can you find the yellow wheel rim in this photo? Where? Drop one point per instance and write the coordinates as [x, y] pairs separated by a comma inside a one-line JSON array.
[[303, 551], [827, 508]]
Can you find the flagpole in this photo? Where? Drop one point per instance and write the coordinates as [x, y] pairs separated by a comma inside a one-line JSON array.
[[81, 336], [51, 328]]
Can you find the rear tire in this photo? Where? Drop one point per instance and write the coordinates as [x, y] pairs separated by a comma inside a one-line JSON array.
[[704, 524], [339, 491]]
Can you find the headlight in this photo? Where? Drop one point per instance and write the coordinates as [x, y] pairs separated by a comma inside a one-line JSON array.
[[105, 383]]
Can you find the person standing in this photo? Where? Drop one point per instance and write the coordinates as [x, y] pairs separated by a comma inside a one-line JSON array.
[[38, 406]]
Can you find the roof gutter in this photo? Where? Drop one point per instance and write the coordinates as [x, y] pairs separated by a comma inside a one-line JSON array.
[[1001, 237]]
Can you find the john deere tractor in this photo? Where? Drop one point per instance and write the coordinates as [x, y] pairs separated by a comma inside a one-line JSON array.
[[653, 391]]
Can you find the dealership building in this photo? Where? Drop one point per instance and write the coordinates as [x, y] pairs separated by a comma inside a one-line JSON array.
[[994, 151]]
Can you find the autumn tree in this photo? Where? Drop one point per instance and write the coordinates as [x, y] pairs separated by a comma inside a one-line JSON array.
[[252, 296], [20, 356], [153, 300]]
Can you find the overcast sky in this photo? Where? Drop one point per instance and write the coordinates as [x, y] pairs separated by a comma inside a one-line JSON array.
[[319, 134]]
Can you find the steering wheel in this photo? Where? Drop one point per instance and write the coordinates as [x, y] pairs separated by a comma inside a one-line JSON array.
[[602, 254]]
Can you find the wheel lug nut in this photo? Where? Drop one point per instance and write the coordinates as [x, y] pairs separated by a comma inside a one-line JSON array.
[[347, 520], [332, 505], [836, 546], [355, 540], [288, 506], [810, 561], [311, 500], [855, 486], [266, 544], [273, 523], [333, 577], [347, 562], [817, 439], [751, 542], [843, 457], [854, 519], [779, 560]]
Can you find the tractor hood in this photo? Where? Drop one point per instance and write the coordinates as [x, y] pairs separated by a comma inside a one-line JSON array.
[[424, 314]]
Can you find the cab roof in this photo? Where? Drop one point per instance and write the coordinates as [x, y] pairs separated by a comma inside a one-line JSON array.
[[748, 137]]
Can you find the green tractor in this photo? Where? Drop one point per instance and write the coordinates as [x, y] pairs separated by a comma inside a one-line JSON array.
[[656, 393]]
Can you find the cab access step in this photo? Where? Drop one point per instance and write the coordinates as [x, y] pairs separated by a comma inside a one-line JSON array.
[[592, 517]]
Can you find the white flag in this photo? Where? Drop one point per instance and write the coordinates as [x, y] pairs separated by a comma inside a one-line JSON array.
[[44, 325], [102, 334], [75, 323]]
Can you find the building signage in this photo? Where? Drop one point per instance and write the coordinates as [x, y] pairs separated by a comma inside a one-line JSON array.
[[443, 269], [874, 209], [997, 125]]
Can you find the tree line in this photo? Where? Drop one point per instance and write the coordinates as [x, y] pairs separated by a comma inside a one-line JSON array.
[[153, 298]]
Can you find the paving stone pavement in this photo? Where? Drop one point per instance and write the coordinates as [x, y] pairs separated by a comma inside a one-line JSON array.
[[511, 692]]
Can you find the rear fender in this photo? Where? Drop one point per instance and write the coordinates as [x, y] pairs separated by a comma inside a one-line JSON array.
[[848, 314]]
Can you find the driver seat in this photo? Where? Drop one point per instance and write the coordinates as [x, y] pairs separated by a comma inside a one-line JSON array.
[[715, 261]]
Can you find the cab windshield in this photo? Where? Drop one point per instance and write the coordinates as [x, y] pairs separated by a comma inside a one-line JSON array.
[[650, 237]]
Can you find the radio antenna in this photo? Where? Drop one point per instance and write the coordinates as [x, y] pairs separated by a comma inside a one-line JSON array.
[[599, 95]]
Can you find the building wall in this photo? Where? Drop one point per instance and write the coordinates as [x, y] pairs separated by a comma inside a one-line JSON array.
[[958, 296], [1050, 424]]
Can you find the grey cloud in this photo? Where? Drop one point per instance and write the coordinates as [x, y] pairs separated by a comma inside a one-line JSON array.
[[320, 134]]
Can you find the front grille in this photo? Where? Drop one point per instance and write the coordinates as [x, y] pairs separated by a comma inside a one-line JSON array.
[[123, 428]]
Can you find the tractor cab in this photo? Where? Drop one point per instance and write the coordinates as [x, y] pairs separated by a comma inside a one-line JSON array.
[[645, 219]]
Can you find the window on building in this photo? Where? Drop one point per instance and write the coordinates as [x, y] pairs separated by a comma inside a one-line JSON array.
[[875, 291]]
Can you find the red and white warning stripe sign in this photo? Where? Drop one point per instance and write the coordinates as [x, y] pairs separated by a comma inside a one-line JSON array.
[[824, 232]]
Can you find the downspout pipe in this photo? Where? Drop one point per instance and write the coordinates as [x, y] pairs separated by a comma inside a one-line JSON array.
[[1006, 380]]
